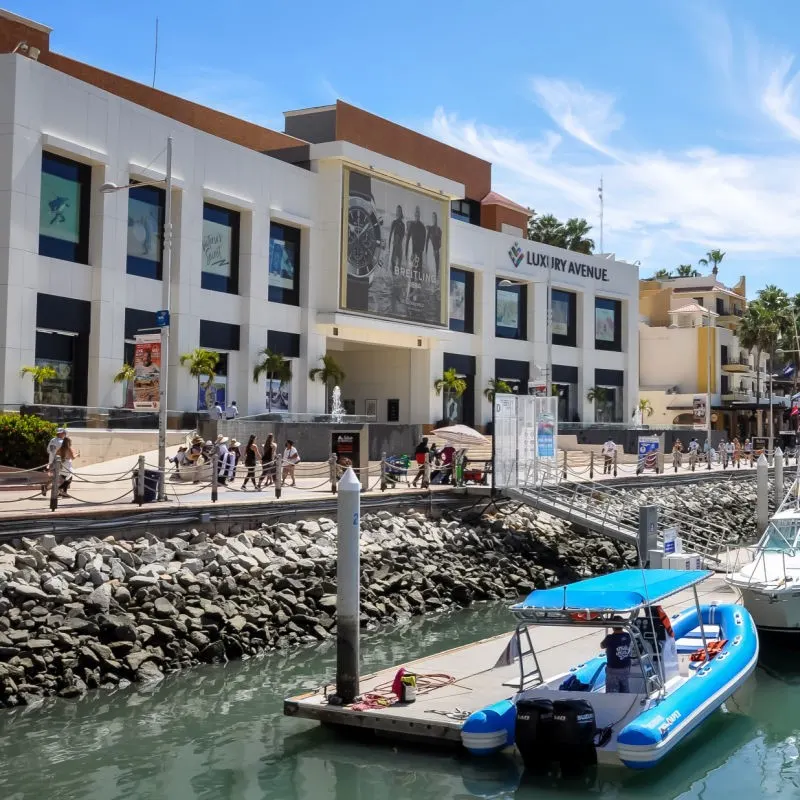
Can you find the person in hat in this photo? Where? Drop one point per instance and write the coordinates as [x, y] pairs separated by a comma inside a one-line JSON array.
[[232, 459], [53, 447], [221, 447]]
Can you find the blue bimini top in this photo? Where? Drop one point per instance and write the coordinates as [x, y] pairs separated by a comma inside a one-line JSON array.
[[617, 592]]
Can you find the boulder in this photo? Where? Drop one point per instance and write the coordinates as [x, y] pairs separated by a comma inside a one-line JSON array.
[[163, 608], [100, 598], [64, 554]]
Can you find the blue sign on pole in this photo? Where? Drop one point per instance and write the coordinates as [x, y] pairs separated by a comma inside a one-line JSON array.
[[162, 319]]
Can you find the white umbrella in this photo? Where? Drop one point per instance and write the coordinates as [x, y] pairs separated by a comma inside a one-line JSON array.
[[460, 434]]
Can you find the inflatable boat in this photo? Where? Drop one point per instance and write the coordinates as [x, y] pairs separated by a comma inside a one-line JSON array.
[[683, 668]]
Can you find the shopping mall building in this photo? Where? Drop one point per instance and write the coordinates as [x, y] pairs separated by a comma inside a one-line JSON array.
[[345, 235]]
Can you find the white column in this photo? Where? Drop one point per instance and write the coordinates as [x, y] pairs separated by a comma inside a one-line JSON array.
[[585, 342]]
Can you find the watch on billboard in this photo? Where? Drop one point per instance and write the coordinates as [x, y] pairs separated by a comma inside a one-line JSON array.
[[394, 251]]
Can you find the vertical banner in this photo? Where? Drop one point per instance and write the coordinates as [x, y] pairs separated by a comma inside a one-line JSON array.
[[147, 369], [505, 440], [699, 411], [648, 452]]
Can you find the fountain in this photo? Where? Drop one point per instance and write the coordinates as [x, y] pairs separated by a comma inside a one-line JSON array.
[[337, 409]]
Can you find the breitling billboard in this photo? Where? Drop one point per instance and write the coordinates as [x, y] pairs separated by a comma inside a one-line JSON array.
[[394, 250]]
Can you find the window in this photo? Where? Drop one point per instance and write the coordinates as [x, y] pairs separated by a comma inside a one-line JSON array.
[[64, 209], [460, 409], [462, 289], [220, 249], [284, 264], [608, 385], [563, 325], [565, 387], [145, 228], [393, 410], [607, 324], [698, 300], [511, 311], [466, 211]]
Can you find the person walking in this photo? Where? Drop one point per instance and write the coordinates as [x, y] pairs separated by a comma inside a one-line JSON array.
[[694, 449], [737, 453], [608, 452], [216, 412], [291, 458], [748, 452], [722, 451], [67, 455], [421, 454], [730, 452], [268, 454], [53, 446], [232, 411], [677, 454], [707, 450], [251, 457]]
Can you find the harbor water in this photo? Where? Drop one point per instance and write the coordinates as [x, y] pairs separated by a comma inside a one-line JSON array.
[[218, 733]]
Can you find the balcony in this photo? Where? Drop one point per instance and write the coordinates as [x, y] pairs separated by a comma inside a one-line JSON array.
[[737, 397], [729, 313], [740, 364]]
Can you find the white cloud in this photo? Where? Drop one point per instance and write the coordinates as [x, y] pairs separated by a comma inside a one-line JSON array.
[[780, 98]]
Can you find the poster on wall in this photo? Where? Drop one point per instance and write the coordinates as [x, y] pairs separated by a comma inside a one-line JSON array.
[[281, 263], [699, 411], [216, 248], [648, 453], [560, 316], [394, 250], [278, 396], [545, 436], [507, 311], [147, 371], [144, 230], [458, 300], [604, 325], [59, 208], [211, 394]]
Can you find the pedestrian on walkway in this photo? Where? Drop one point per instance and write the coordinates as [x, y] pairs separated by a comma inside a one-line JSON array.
[[216, 412], [694, 449], [748, 452], [67, 455], [677, 454], [251, 458], [291, 458], [737, 452], [608, 452], [723, 453], [221, 446], [421, 455], [268, 454], [707, 451], [232, 411], [53, 447]]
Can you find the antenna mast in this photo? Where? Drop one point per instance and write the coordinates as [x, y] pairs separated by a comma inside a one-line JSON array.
[[600, 195], [155, 56]]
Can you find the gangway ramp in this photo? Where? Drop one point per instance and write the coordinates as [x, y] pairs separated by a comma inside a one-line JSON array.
[[608, 511]]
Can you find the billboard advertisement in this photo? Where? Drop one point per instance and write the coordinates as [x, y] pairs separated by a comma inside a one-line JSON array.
[[394, 250], [147, 370], [699, 411]]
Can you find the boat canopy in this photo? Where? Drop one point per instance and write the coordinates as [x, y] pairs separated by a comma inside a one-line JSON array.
[[617, 592]]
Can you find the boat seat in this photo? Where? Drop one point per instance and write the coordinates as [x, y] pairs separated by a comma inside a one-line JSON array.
[[694, 639]]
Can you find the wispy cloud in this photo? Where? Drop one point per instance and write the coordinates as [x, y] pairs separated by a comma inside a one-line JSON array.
[[780, 98]]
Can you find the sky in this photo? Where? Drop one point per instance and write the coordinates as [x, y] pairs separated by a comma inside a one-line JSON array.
[[688, 109]]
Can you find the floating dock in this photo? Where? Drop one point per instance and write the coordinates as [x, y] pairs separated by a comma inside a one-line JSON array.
[[437, 715]]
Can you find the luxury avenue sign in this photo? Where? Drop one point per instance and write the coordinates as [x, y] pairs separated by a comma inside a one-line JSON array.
[[518, 255]]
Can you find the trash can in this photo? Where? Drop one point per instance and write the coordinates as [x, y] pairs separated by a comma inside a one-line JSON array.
[[151, 478]]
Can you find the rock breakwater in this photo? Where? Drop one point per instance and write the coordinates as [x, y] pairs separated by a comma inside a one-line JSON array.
[[86, 613]]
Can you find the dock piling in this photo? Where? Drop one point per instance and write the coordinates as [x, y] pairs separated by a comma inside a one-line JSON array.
[[762, 494], [348, 587], [777, 480], [648, 532]]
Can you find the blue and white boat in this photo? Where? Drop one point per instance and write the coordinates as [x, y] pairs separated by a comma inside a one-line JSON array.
[[683, 669]]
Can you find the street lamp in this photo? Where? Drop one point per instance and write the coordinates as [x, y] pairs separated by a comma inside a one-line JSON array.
[[108, 188], [708, 391]]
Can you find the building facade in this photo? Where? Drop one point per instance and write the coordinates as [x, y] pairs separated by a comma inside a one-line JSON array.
[[344, 235]]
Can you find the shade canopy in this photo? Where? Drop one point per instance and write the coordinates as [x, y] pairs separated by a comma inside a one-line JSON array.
[[622, 591], [460, 434]]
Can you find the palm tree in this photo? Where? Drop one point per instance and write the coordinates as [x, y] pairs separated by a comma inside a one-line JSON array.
[[450, 384], [201, 362], [576, 236], [547, 229], [127, 373], [750, 334], [275, 367], [496, 386], [645, 409], [330, 374], [687, 271], [597, 395], [714, 258], [40, 373], [662, 275]]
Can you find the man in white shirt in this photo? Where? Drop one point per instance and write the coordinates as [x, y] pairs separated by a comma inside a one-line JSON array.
[[608, 451], [216, 412], [291, 458], [52, 448], [222, 458], [232, 411], [694, 450]]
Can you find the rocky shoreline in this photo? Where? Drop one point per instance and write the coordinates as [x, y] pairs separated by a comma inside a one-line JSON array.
[[87, 613]]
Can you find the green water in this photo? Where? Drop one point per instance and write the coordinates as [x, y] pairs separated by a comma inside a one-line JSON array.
[[218, 733]]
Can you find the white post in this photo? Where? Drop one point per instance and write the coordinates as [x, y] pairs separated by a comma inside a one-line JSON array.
[[762, 494], [777, 478], [771, 370], [549, 333], [166, 279], [348, 583], [140, 480], [708, 391]]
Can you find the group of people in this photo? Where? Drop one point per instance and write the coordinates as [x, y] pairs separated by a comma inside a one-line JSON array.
[[60, 445], [442, 462], [231, 453], [728, 452], [217, 412]]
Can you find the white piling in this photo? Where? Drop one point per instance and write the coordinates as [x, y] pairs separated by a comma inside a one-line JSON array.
[[348, 585], [777, 479], [762, 493]]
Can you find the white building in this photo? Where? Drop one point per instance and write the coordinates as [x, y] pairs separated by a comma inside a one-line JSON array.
[[260, 258]]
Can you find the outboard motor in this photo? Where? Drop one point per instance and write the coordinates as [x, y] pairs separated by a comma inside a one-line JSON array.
[[574, 729], [533, 732]]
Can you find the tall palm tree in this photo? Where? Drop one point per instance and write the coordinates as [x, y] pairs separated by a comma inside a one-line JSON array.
[[275, 367], [576, 236], [645, 409], [40, 373], [496, 386], [687, 271], [750, 334], [450, 384], [330, 374], [714, 258], [201, 363], [548, 230], [661, 275]]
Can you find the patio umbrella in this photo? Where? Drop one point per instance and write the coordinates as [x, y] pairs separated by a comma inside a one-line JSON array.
[[460, 435]]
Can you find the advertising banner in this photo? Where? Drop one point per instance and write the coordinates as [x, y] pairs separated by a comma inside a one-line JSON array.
[[216, 248], [282, 258], [147, 369], [394, 251], [278, 396], [507, 309], [458, 300], [560, 316], [59, 208], [209, 395], [144, 230], [699, 411], [604, 327], [648, 452]]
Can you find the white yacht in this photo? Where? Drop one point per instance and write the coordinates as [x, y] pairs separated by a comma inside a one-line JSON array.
[[770, 582]]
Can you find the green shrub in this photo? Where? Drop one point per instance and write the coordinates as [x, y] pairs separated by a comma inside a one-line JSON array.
[[23, 440]]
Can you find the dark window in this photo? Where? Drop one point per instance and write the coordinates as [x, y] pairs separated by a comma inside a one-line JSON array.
[[284, 264], [511, 311], [393, 410], [565, 387], [460, 409], [220, 271], [462, 300], [564, 324], [145, 228], [607, 324], [466, 211], [285, 344], [720, 306], [64, 209], [219, 335], [514, 373], [137, 321], [725, 385], [698, 300], [608, 407]]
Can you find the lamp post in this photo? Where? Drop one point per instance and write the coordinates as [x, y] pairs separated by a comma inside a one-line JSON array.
[[708, 392], [780, 352], [166, 281]]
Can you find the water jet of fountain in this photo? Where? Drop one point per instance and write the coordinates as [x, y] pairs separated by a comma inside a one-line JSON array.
[[337, 409]]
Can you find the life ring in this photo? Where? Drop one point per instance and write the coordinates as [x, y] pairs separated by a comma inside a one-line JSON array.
[[664, 617], [584, 616]]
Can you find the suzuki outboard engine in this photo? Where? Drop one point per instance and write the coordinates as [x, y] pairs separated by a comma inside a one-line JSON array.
[[533, 732], [574, 729]]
